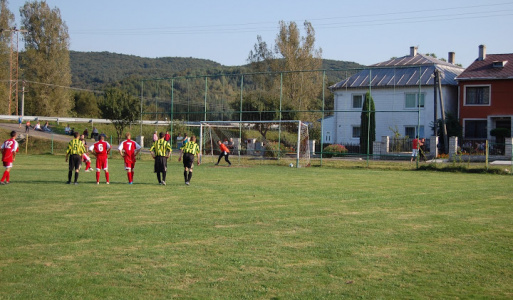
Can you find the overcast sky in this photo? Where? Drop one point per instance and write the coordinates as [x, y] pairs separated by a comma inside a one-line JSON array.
[[365, 32]]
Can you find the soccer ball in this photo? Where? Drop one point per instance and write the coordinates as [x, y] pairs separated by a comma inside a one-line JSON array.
[[291, 165]]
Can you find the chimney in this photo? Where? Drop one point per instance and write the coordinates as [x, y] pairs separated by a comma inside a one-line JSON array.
[[451, 57], [413, 51], [482, 52]]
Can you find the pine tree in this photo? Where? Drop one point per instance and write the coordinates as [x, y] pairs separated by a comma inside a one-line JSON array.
[[47, 64], [367, 125]]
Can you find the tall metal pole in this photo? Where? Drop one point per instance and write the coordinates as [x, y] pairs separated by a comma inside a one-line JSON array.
[[14, 68], [206, 93]]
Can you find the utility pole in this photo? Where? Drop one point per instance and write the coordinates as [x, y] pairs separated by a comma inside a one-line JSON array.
[[14, 68]]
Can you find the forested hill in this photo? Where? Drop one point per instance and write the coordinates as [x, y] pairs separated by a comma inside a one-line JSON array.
[[95, 70]]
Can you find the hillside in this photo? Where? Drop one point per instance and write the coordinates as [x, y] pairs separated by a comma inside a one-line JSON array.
[[94, 70]]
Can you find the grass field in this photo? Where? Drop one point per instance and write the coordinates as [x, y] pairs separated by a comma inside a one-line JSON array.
[[255, 232]]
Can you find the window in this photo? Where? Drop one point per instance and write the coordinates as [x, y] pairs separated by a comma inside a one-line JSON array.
[[477, 95], [356, 132], [411, 131], [412, 98], [357, 101], [475, 129]]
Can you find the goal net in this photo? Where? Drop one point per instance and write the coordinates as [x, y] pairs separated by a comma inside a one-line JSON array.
[[284, 141]]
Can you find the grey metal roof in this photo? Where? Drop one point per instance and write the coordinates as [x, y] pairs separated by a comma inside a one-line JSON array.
[[404, 71]]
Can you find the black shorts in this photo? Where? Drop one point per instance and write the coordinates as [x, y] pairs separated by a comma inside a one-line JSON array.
[[75, 161], [160, 164], [188, 160]]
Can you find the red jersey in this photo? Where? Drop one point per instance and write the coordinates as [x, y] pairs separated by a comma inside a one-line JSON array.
[[101, 148], [415, 144], [129, 147], [9, 148], [224, 148]]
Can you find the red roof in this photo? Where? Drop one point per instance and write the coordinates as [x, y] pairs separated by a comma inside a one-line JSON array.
[[494, 66]]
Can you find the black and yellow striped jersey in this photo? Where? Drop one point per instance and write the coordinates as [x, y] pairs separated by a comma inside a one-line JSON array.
[[161, 147], [190, 147], [75, 146]]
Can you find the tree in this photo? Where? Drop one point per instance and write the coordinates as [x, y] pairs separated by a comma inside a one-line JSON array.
[[294, 90], [47, 62], [85, 104], [6, 22], [120, 108], [367, 124]]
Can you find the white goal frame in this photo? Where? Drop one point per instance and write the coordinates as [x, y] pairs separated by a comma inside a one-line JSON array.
[[301, 153]]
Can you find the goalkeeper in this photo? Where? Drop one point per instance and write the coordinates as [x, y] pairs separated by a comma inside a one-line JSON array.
[[224, 152]]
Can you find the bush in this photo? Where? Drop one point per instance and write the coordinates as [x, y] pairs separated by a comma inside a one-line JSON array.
[[272, 151], [334, 150]]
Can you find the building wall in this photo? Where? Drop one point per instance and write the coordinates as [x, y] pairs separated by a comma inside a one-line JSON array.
[[391, 114], [501, 100]]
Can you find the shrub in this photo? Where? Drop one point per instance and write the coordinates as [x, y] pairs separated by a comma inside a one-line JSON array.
[[334, 150]]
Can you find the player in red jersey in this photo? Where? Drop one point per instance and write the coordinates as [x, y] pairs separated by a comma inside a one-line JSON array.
[[9, 150], [129, 150], [101, 150]]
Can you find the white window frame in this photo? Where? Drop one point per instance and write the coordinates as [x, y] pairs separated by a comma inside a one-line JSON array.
[[352, 131], [416, 100], [464, 129], [421, 132], [489, 86], [352, 101]]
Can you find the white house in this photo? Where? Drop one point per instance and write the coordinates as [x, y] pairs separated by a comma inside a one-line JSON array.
[[403, 93]]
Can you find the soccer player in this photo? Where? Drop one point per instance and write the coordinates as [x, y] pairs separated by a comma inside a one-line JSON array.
[[160, 151], [129, 150], [101, 150], [87, 160], [74, 154], [9, 150], [224, 152], [188, 151]]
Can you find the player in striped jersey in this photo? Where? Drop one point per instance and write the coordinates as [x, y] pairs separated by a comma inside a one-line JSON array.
[[129, 150], [9, 150], [74, 154], [188, 151], [160, 151]]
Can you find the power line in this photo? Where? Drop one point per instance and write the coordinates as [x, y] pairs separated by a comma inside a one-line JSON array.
[[271, 26]]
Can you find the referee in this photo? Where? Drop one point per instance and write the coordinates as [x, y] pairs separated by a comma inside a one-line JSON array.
[[74, 153], [160, 151], [188, 151]]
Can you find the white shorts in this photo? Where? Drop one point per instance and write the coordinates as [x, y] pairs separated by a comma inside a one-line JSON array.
[[414, 152]]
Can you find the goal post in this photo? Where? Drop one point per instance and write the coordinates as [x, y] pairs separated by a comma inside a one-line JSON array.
[[284, 142]]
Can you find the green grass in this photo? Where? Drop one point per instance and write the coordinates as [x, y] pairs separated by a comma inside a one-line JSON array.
[[255, 232]]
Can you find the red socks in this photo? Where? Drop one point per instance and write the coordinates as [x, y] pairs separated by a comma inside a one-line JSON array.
[[130, 176], [5, 176], [88, 165]]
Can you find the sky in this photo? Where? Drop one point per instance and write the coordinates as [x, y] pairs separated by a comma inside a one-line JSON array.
[[225, 31]]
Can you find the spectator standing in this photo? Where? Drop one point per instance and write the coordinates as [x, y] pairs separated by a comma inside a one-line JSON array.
[[179, 141], [415, 148], [27, 126], [167, 137]]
